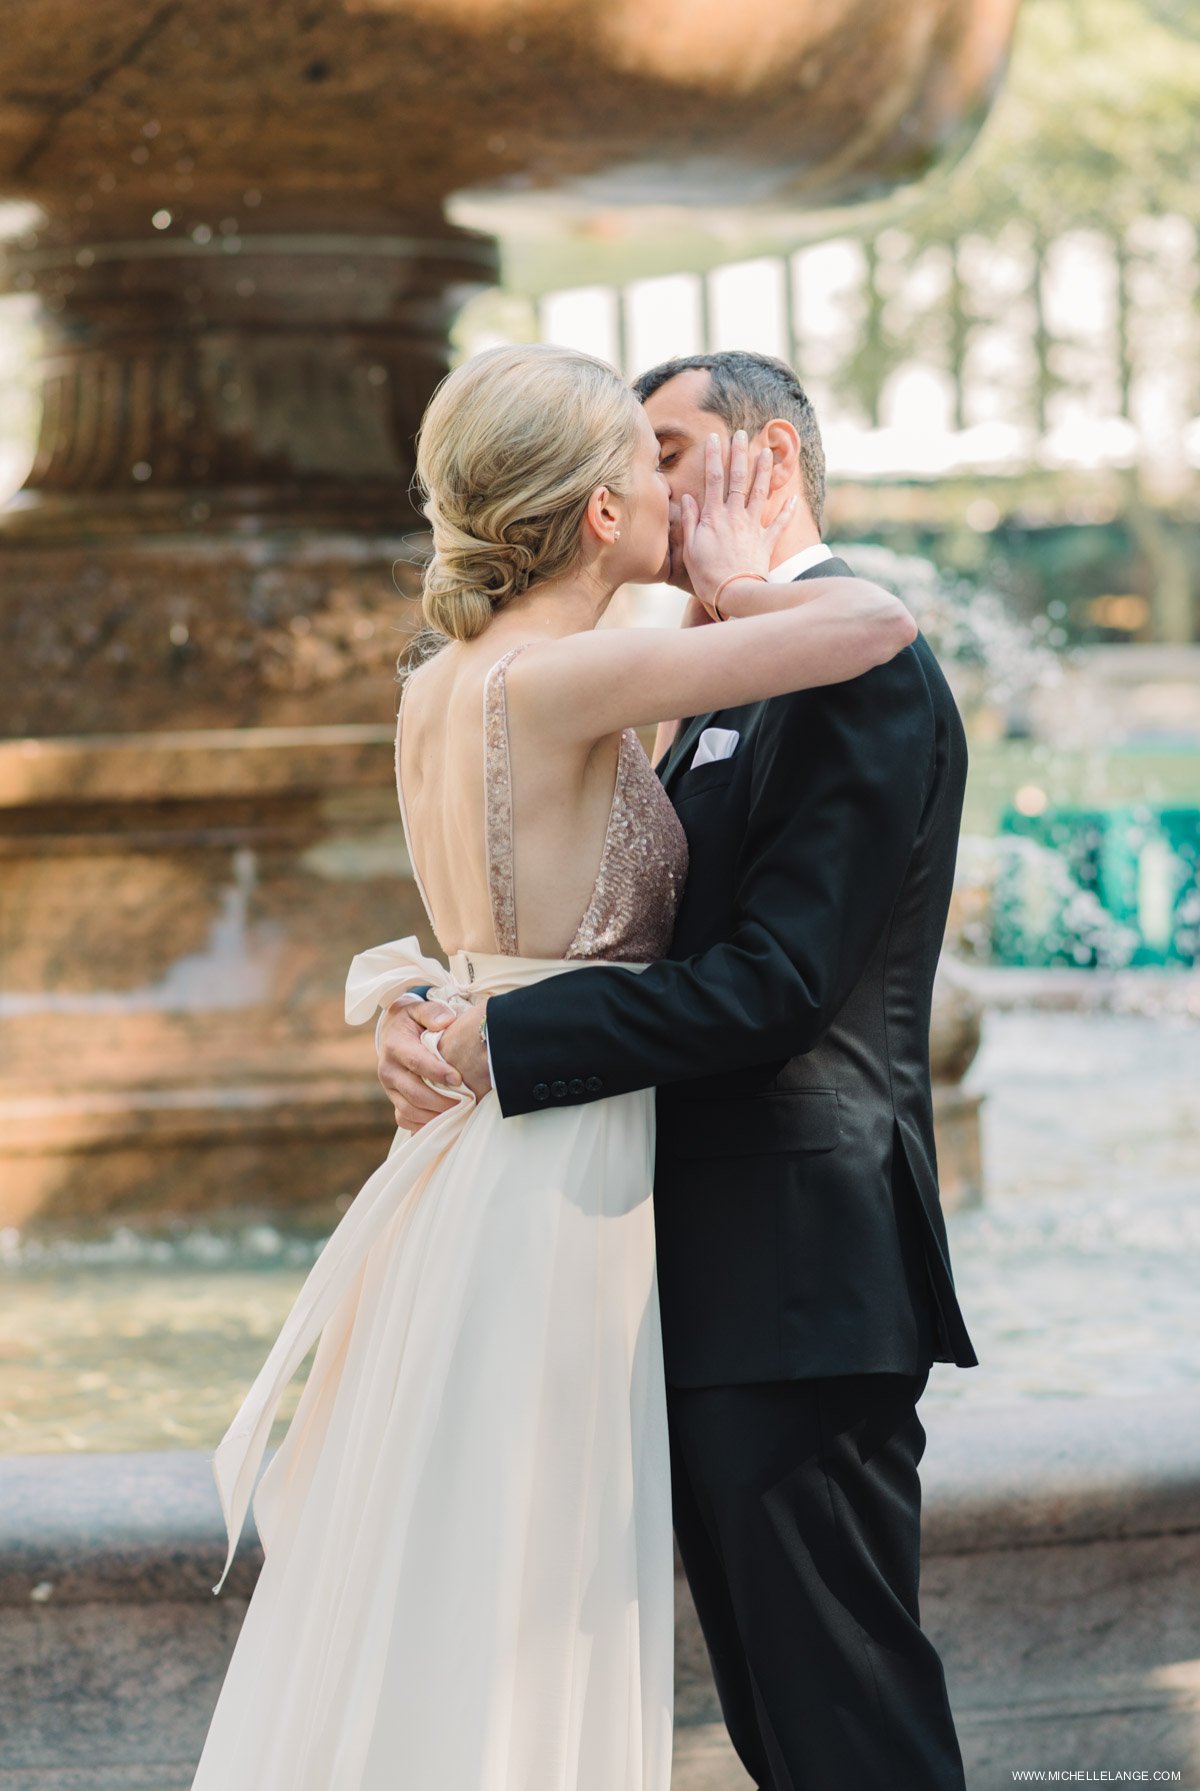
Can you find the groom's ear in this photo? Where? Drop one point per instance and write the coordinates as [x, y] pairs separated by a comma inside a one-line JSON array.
[[784, 442]]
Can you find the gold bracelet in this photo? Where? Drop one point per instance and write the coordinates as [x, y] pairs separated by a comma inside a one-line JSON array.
[[733, 577]]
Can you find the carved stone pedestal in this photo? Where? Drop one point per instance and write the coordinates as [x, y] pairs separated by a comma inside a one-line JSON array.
[[217, 524], [180, 913], [201, 613]]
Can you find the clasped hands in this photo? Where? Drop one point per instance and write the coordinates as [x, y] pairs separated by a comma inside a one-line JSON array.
[[407, 1065]]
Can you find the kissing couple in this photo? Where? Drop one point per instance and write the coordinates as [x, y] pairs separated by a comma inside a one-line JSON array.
[[658, 1240]]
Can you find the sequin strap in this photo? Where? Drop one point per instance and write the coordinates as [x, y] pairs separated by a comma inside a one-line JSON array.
[[498, 805]]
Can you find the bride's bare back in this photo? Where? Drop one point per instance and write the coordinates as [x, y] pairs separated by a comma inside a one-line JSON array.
[[535, 822], [519, 844]]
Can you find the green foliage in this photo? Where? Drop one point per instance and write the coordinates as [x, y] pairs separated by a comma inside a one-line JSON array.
[[1096, 126]]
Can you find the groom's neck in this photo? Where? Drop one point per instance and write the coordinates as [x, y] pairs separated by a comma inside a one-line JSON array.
[[800, 533]]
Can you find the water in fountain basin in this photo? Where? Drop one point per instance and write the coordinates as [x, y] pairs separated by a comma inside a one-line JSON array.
[[1077, 1277]]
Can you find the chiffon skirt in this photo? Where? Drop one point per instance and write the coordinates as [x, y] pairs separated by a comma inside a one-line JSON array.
[[468, 1578]]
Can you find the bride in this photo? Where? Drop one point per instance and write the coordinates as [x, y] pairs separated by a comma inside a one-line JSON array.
[[468, 1582]]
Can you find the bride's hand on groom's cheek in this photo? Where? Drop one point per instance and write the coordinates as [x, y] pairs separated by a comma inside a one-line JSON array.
[[404, 1062]]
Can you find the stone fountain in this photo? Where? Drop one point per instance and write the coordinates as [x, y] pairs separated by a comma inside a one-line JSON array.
[[235, 235], [233, 228]]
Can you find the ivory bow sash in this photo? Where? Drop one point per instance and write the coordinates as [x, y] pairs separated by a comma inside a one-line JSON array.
[[374, 979]]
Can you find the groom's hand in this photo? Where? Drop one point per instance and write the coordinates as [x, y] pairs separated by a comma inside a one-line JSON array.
[[404, 1062], [463, 1047]]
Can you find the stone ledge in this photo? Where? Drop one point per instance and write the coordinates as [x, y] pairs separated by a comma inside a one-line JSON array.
[[1061, 1471], [193, 763], [137, 1529], [144, 1527], [93, 1778], [89, 1119], [1061, 1585]]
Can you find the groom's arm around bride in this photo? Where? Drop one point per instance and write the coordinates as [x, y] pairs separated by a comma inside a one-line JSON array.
[[792, 1019]]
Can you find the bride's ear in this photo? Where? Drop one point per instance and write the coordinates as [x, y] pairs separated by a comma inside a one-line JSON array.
[[602, 519]]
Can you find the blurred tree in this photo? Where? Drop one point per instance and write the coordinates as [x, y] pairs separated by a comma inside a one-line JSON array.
[[1097, 129], [1097, 126]]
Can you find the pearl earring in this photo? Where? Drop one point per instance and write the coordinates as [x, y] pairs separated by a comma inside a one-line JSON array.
[[616, 534]]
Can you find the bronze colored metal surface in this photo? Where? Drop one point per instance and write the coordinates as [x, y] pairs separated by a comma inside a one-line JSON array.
[[388, 106]]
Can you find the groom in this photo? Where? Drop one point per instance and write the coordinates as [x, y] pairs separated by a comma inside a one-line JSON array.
[[803, 1267]]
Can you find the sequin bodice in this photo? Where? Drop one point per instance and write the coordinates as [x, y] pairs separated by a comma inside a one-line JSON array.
[[643, 864]]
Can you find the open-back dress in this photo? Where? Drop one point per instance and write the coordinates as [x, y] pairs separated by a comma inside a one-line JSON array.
[[467, 1582]]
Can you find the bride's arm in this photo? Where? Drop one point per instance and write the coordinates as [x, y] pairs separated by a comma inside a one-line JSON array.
[[587, 685]]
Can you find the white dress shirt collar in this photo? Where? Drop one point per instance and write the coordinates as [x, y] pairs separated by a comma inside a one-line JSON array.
[[800, 562]]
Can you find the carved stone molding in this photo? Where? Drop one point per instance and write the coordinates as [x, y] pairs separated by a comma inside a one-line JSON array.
[[252, 379]]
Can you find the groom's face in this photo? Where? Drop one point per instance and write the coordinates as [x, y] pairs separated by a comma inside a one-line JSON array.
[[682, 425]]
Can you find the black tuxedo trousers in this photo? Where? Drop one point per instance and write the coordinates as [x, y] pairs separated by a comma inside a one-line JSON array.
[[797, 1512], [803, 1264]]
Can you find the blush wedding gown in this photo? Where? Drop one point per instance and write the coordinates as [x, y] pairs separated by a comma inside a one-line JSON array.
[[468, 1574]]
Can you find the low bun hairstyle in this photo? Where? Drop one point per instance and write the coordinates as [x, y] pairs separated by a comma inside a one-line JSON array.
[[512, 446]]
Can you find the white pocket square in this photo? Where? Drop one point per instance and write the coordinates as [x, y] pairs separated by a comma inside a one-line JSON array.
[[714, 743]]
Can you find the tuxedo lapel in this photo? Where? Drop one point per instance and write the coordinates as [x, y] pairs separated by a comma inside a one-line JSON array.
[[830, 568], [675, 757]]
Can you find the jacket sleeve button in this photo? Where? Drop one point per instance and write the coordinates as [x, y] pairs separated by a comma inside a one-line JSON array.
[[540, 1092], [594, 1084], [559, 1090], [576, 1085]]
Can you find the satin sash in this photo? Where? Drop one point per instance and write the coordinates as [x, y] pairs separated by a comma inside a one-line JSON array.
[[375, 978]]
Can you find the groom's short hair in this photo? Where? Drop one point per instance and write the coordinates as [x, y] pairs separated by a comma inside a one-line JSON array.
[[746, 391]]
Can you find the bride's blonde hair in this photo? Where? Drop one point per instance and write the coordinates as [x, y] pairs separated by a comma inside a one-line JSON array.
[[513, 444]]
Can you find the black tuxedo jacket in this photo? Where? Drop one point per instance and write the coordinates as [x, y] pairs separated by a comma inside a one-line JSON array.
[[799, 1227]]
